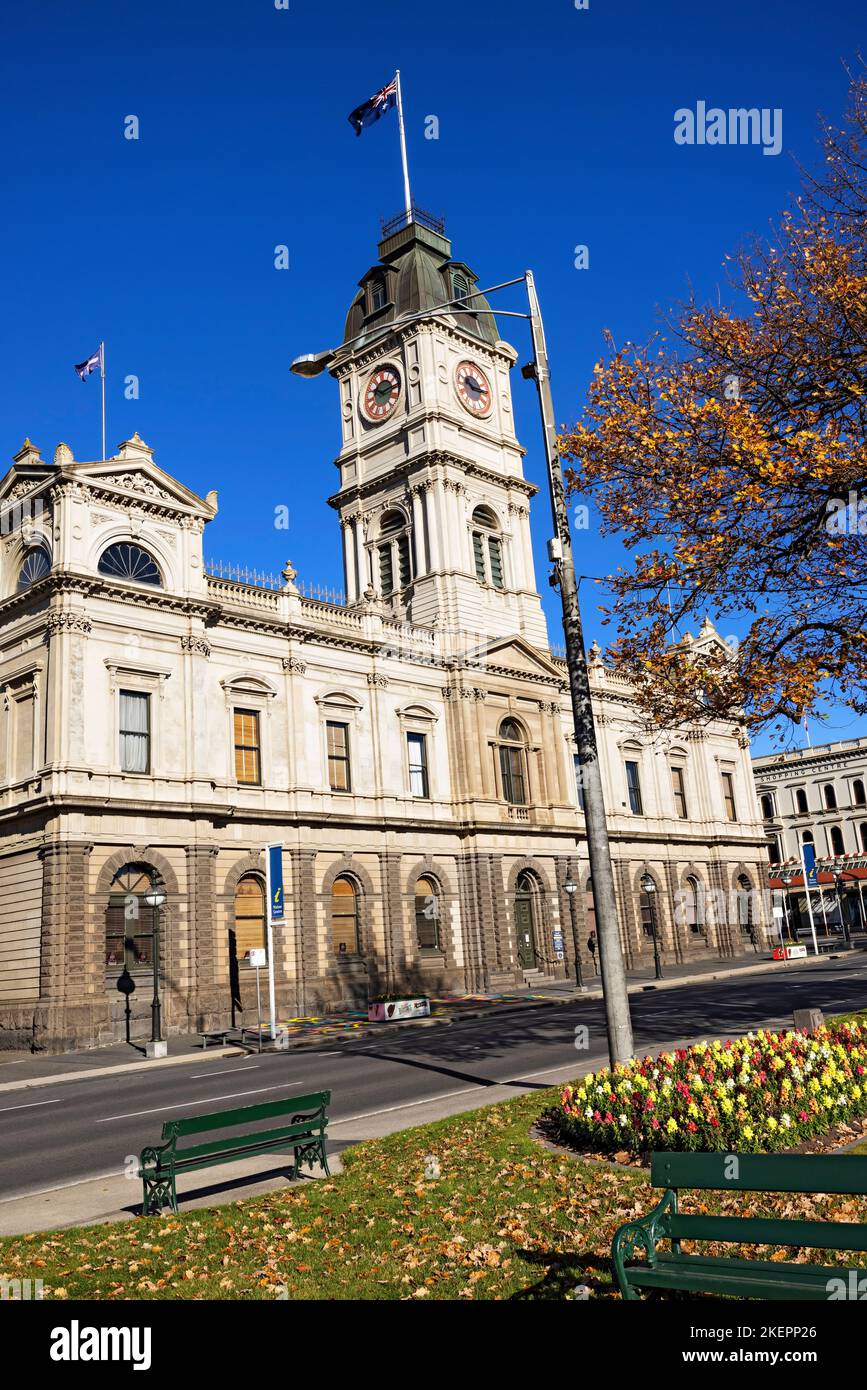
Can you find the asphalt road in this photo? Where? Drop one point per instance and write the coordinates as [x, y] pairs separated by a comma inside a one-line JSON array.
[[55, 1135]]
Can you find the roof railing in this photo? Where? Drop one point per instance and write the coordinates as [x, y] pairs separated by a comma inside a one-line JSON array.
[[415, 214]]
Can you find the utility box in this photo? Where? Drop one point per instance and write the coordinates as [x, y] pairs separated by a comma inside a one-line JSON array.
[[811, 1019]]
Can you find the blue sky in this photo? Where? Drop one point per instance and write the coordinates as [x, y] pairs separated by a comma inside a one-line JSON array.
[[555, 129]]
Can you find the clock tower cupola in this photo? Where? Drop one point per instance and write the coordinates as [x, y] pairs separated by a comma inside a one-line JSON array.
[[433, 503]]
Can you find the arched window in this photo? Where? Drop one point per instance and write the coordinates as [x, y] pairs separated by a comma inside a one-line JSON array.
[[460, 286], [774, 851], [129, 920], [858, 793], [862, 832], [249, 915], [837, 840], [427, 915], [767, 804], [807, 837], [513, 766], [35, 565], [487, 548], [394, 553], [801, 801], [345, 938], [745, 905], [695, 906], [125, 560], [830, 798], [377, 294]]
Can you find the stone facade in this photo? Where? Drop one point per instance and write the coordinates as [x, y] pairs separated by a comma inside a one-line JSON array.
[[819, 792], [161, 726]]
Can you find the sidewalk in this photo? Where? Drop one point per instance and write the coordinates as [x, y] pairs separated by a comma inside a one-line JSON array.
[[18, 1072]]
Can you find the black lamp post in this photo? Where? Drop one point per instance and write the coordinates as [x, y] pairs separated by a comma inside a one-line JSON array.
[[648, 884], [839, 873], [155, 898], [571, 888]]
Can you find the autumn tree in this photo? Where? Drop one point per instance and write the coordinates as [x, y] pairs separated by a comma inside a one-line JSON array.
[[730, 456]]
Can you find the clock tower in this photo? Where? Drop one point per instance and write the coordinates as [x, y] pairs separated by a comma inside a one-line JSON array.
[[432, 500]]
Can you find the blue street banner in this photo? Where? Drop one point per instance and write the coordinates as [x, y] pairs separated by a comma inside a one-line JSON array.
[[809, 853], [276, 909]]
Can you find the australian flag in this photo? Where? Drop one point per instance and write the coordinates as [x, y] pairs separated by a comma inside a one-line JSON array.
[[371, 110], [84, 369]]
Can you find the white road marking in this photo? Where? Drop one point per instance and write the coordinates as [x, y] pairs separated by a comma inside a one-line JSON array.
[[226, 1071], [203, 1100], [29, 1106]]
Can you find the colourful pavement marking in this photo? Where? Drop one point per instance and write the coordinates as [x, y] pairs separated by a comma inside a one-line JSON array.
[[354, 1019]]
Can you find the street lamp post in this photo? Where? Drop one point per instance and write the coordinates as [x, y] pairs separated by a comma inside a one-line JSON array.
[[571, 889], [838, 874], [648, 884], [155, 899], [615, 996]]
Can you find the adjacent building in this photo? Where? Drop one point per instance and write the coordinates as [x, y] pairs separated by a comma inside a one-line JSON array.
[[410, 749], [814, 795]]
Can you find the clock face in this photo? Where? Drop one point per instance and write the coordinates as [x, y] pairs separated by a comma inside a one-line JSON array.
[[473, 388], [381, 393]]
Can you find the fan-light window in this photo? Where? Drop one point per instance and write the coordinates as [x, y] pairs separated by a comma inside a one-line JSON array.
[[36, 564], [124, 560]]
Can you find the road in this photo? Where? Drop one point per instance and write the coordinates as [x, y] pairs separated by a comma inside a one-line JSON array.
[[55, 1135]]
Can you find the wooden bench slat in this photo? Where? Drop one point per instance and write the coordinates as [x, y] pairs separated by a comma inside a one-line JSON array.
[[226, 1119], [759, 1230], [265, 1136], [839, 1174], [760, 1279]]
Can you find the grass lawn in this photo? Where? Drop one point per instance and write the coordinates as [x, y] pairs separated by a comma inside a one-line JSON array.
[[504, 1218]]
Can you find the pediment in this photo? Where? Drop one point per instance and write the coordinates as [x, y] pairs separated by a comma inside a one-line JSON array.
[[514, 653], [143, 481]]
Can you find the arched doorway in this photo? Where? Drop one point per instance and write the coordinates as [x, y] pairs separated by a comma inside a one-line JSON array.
[[248, 931], [345, 936], [130, 924], [427, 917], [129, 921], [526, 922]]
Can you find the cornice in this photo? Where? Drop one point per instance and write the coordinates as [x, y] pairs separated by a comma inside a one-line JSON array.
[[356, 492]]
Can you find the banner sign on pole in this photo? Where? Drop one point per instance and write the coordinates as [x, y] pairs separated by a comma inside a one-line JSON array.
[[809, 854], [276, 913], [275, 882]]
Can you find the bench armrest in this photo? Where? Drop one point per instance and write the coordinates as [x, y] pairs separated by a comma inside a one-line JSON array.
[[149, 1158], [643, 1233]]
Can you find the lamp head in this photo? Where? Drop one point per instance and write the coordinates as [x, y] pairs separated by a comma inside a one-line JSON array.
[[312, 363]]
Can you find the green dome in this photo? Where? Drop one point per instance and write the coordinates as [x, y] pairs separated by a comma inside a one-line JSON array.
[[415, 272]]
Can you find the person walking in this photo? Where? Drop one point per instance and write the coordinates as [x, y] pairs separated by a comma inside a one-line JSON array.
[[591, 947]]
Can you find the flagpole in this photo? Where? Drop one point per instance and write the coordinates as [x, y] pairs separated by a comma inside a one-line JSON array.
[[406, 195], [102, 374]]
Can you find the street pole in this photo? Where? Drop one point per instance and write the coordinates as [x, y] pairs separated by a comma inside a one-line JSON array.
[[571, 889], [156, 1008], [618, 1022]]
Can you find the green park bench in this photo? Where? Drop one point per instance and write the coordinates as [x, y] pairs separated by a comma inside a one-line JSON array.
[[739, 1278], [303, 1130]]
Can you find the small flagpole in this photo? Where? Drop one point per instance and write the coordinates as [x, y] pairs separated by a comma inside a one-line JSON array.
[[406, 194], [102, 374]]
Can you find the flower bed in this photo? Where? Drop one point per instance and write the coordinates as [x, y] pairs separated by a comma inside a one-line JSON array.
[[761, 1093]]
